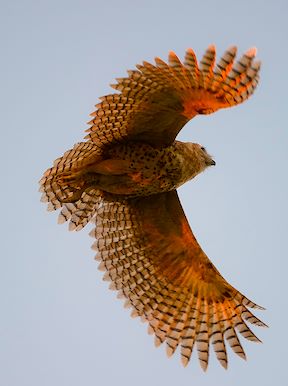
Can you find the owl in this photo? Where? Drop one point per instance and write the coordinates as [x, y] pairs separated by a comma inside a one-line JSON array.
[[124, 178]]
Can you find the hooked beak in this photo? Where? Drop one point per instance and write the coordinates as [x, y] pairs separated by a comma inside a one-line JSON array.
[[212, 163]]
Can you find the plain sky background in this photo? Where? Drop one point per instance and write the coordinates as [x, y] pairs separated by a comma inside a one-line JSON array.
[[59, 323]]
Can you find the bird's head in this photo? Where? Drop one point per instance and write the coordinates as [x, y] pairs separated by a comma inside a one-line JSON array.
[[195, 159], [200, 155], [205, 157]]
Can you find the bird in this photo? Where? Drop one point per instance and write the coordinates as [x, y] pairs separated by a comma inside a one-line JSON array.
[[123, 178]]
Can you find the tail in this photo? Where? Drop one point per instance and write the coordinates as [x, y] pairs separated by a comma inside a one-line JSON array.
[[64, 186]]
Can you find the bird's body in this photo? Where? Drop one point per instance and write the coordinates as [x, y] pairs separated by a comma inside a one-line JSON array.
[[139, 169], [124, 179]]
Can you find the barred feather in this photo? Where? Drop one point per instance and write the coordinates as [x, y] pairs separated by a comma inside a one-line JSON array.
[[62, 182], [186, 315], [144, 245], [207, 67], [155, 102]]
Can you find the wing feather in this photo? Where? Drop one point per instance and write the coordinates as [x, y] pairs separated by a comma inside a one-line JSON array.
[[190, 330], [203, 336], [145, 245], [156, 264], [156, 101], [217, 336], [207, 67]]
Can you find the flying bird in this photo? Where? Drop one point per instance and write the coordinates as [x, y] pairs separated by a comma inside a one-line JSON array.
[[124, 179]]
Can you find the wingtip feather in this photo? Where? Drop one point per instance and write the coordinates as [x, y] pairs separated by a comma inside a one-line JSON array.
[[251, 53]]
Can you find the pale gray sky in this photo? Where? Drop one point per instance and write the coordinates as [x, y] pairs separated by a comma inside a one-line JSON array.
[[59, 324]]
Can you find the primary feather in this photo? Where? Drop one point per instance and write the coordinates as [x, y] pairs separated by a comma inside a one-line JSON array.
[[124, 179]]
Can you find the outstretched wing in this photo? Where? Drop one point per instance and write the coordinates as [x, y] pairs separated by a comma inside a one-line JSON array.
[[152, 258], [156, 101]]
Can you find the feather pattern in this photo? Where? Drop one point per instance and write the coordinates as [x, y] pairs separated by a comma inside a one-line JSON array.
[[156, 101], [144, 244], [186, 312], [62, 182]]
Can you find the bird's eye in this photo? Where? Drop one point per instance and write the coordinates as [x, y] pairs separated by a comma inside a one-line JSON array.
[[203, 148]]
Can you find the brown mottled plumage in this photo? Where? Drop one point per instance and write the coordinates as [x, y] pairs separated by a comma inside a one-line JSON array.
[[124, 178]]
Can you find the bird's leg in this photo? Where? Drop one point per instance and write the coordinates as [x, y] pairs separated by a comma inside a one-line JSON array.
[[111, 167]]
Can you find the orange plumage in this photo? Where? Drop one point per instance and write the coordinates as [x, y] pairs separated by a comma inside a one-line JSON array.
[[124, 179]]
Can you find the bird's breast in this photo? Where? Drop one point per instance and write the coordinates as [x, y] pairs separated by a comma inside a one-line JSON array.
[[147, 170]]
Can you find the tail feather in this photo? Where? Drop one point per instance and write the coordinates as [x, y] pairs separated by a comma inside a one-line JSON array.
[[82, 211], [63, 186]]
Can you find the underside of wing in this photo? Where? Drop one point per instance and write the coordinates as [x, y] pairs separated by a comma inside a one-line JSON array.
[[151, 257], [155, 101]]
